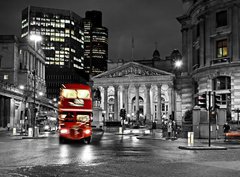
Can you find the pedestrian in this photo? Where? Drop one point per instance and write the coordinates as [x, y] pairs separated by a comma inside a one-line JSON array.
[[226, 128], [169, 128], [8, 126], [174, 129], [144, 121], [154, 125]]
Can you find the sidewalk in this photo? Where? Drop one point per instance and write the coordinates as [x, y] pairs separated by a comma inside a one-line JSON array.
[[199, 144], [19, 136]]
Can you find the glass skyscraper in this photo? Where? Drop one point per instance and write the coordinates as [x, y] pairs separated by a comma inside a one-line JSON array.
[[96, 43], [63, 44]]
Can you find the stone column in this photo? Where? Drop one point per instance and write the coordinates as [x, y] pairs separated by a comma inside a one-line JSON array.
[[185, 48], [202, 43], [106, 102], [1, 111], [148, 104], [116, 113], [125, 97], [235, 33], [137, 97], [171, 99], [159, 108]]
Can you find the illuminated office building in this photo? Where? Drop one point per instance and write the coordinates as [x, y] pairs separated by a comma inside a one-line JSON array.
[[96, 43], [63, 44]]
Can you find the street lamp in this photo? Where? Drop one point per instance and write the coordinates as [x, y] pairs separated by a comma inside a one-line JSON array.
[[178, 63], [22, 87], [36, 38], [26, 93]]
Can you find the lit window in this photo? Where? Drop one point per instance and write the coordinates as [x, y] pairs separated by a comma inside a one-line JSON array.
[[67, 31], [68, 93], [222, 48], [82, 118], [5, 77], [83, 94]]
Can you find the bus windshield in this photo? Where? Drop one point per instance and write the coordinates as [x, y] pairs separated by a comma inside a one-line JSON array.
[[70, 93], [66, 117]]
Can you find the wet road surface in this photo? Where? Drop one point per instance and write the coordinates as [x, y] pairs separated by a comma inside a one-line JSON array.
[[112, 155]]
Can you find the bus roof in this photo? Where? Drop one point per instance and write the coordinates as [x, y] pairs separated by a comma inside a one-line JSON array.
[[75, 86]]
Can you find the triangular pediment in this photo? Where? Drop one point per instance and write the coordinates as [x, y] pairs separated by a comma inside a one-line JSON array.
[[132, 69]]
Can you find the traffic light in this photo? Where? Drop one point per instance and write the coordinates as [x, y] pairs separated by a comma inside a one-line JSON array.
[[217, 100], [202, 100], [123, 113]]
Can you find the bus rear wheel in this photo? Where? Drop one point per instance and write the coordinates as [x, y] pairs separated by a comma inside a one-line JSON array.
[[88, 140]]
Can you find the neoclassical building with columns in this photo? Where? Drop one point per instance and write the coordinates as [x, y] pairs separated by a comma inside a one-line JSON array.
[[137, 87]]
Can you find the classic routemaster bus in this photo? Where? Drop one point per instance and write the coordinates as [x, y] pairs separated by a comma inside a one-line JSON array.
[[75, 112]]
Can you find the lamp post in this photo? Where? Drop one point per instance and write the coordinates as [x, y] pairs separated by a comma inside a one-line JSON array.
[[36, 38], [178, 65]]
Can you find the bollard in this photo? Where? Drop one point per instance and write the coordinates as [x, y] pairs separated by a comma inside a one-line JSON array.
[[120, 130], [30, 132], [190, 138], [36, 131], [14, 131]]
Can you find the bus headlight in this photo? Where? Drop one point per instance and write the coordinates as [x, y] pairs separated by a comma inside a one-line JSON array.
[[64, 131], [87, 131]]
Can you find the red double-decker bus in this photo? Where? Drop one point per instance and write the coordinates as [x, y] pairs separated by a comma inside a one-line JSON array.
[[75, 112]]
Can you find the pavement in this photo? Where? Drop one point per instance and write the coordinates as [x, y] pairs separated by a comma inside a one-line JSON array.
[[199, 144], [41, 135], [19, 136]]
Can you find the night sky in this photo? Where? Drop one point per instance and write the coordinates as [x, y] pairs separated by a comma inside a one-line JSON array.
[[148, 21]]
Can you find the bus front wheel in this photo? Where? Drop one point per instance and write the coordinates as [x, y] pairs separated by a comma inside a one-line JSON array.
[[88, 140], [61, 140]]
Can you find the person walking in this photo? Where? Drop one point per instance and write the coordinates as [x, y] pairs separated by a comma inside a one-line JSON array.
[[8, 126], [226, 128], [174, 129], [169, 129]]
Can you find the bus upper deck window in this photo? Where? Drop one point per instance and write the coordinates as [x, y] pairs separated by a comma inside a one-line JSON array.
[[83, 93], [69, 93]]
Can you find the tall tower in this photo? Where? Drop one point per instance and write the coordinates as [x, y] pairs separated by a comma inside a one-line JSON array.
[[95, 43], [63, 44]]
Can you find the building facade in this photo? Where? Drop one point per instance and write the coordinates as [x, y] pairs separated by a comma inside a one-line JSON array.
[[210, 49], [63, 44], [146, 89], [138, 89], [96, 43], [18, 61]]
